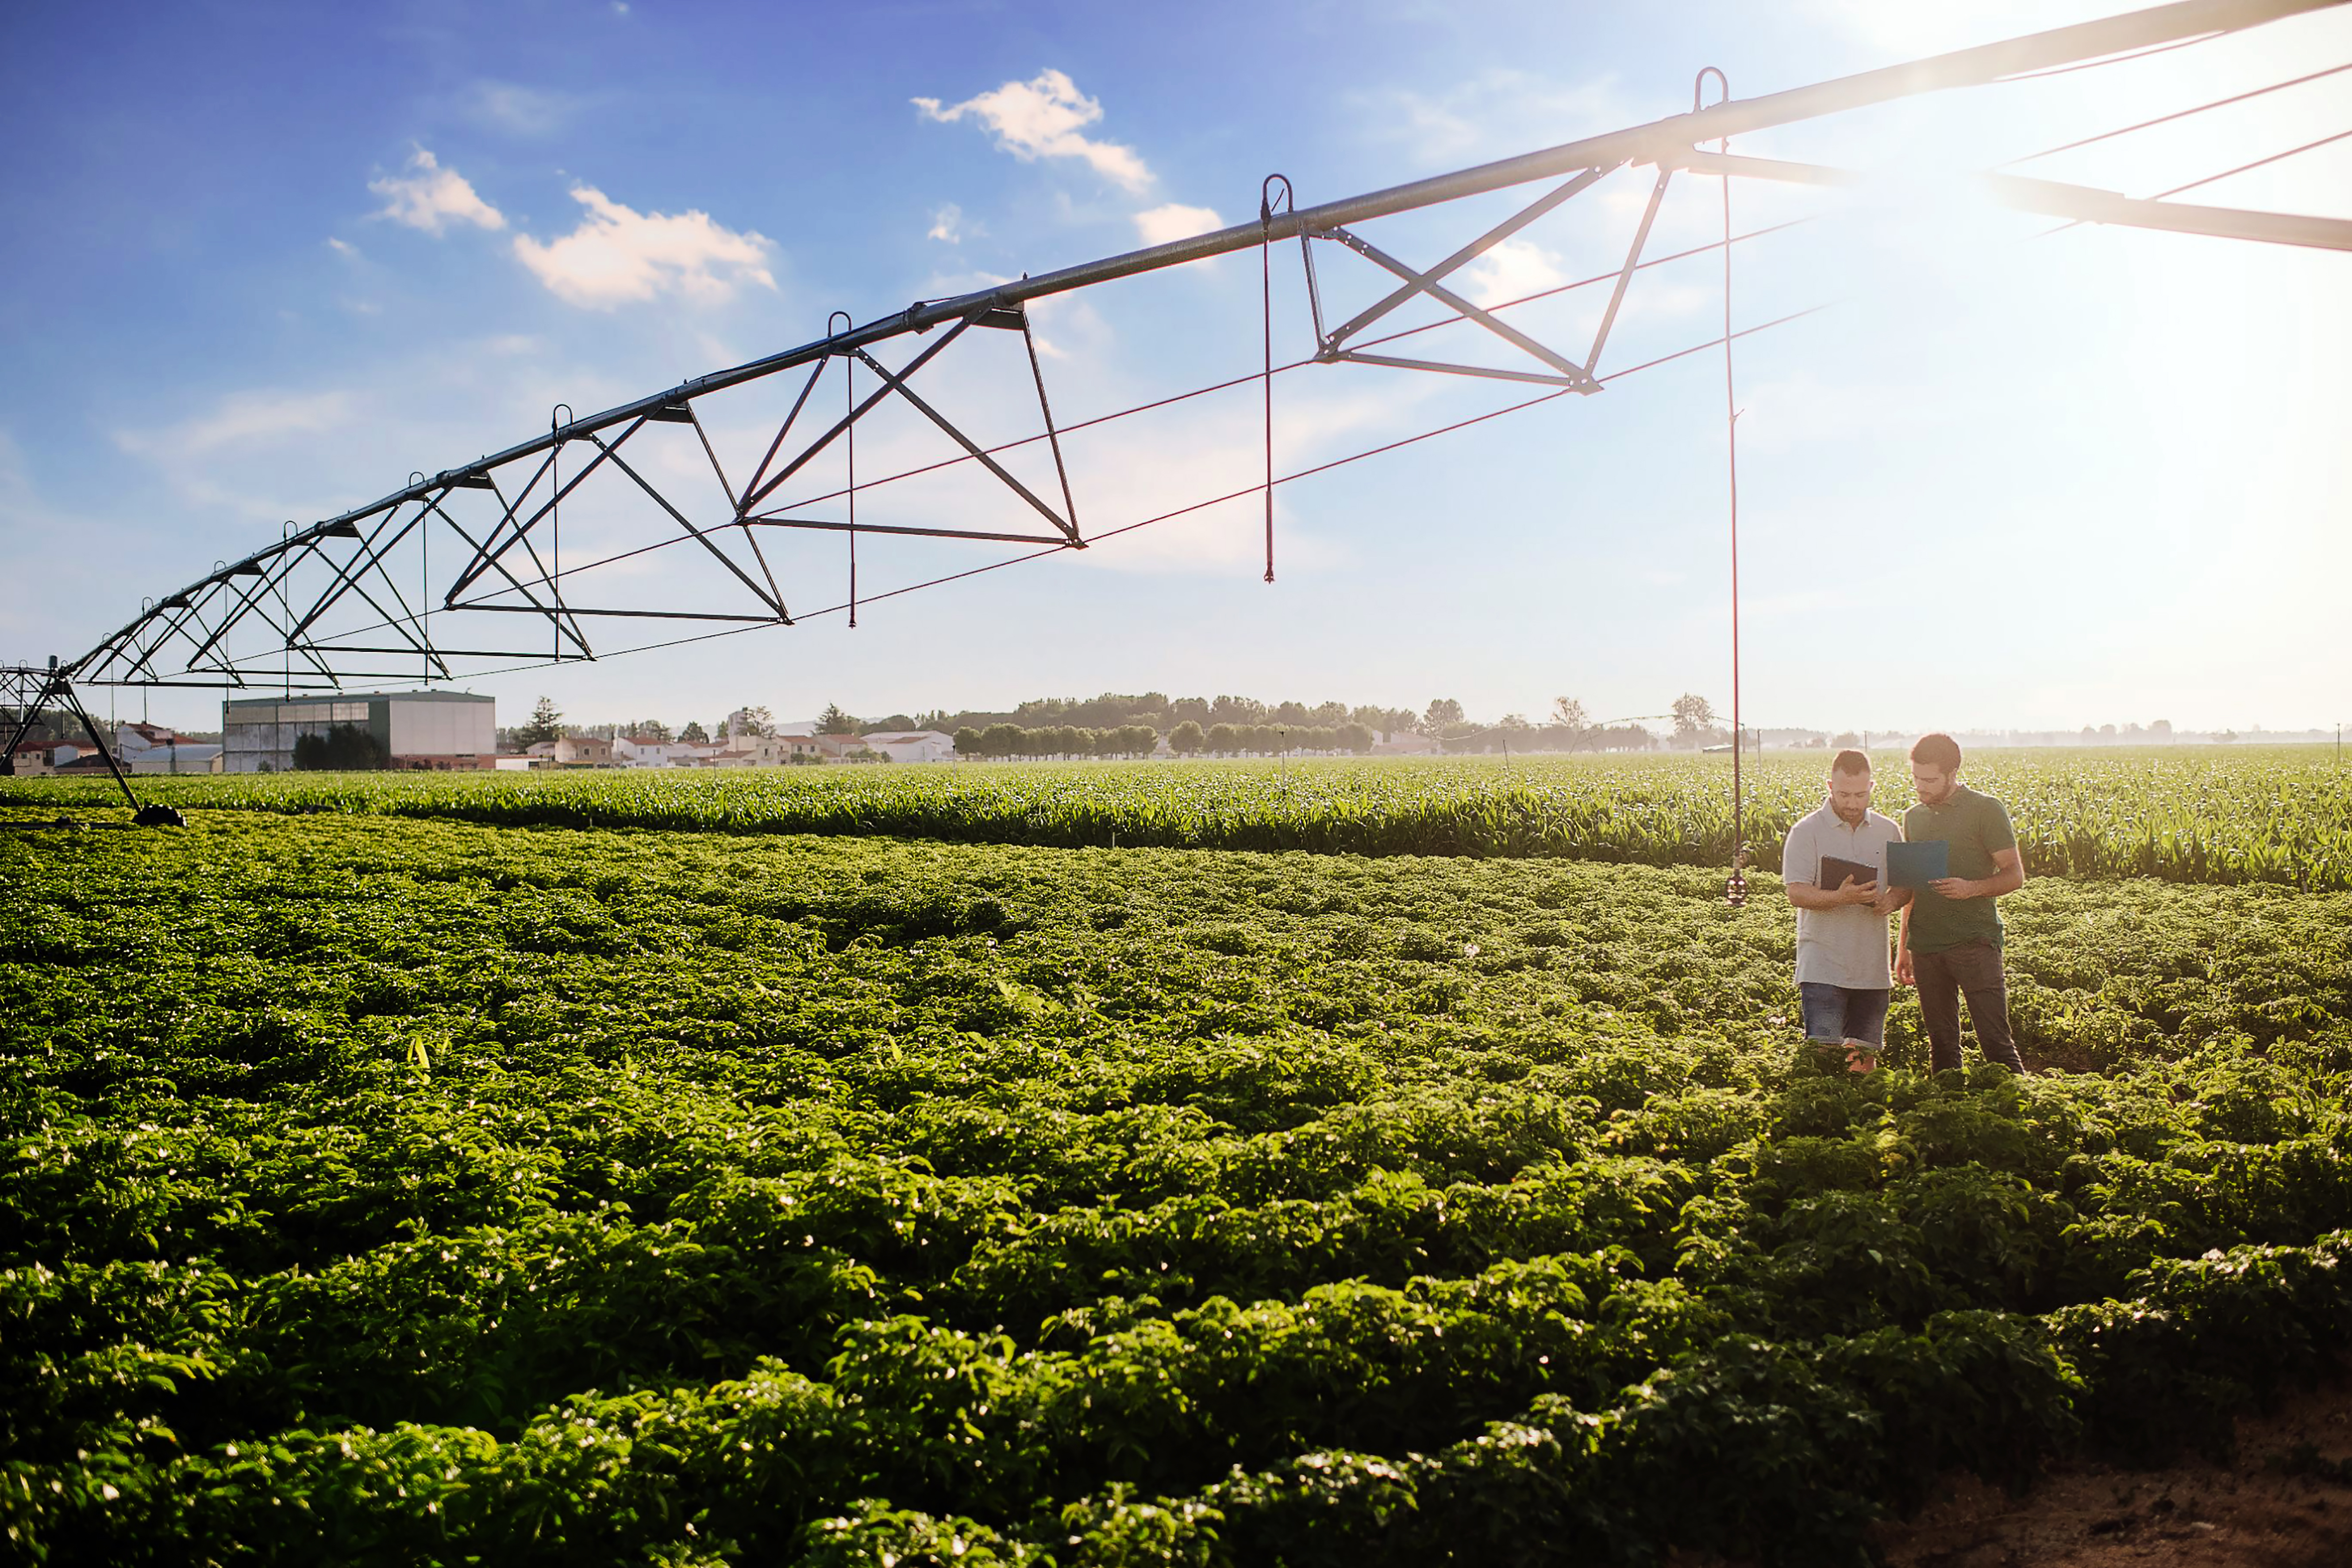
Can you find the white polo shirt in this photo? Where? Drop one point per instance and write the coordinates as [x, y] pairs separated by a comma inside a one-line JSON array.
[[1846, 945]]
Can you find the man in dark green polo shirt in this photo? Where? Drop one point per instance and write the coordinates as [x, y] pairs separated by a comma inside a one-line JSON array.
[[1951, 945]]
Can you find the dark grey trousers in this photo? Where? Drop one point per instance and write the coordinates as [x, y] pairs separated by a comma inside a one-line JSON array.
[[1974, 970]]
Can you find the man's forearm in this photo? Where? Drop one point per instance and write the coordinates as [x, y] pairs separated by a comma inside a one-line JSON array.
[[2004, 880]]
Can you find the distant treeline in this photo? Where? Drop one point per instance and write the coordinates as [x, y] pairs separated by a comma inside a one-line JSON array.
[[1164, 714], [1186, 738], [1553, 738]]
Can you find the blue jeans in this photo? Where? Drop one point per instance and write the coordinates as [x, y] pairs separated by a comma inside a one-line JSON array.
[[1838, 1012]]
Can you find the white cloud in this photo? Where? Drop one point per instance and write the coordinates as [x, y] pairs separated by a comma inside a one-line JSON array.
[[942, 285], [947, 224], [1067, 324], [1512, 269], [523, 110], [431, 197], [243, 418], [1911, 30], [620, 256], [1496, 110], [1043, 118], [1176, 221], [342, 246]]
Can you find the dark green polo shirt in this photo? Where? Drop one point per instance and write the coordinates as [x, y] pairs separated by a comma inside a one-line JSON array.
[[1976, 826]]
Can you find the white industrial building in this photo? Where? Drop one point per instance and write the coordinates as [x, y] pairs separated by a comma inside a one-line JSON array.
[[435, 730], [914, 746], [160, 749]]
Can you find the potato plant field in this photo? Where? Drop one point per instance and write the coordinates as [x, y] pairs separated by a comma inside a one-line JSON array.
[[881, 1168]]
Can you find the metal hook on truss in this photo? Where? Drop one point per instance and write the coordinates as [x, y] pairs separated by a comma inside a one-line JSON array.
[[849, 445], [1266, 279]]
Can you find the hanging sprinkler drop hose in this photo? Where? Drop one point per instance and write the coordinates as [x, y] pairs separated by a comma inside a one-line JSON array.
[[1736, 890]]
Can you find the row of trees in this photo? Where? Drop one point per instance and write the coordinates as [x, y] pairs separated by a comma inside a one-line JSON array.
[[1187, 739], [1229, 726], [1162, 712], [1567, 728], [546, 723], [1269, 740], [1222, 725], [1527, 737], [342, 749], [1055, 740]]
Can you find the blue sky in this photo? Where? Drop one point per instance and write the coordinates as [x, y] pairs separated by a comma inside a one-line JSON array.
[[261, 261]]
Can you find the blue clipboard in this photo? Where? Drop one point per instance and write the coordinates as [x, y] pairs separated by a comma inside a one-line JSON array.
[[1917, 865]]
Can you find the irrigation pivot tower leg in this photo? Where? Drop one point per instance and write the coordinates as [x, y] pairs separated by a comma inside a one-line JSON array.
[[35, 690]]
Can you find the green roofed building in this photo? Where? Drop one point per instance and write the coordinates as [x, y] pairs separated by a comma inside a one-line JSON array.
[[437, 730]]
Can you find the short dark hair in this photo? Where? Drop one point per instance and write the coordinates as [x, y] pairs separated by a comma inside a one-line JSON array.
[[1850, 761], [1939, 750]]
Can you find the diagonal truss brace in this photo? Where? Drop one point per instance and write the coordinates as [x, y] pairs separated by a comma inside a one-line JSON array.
[[29, 690], [1009, 318], [1331, 346]]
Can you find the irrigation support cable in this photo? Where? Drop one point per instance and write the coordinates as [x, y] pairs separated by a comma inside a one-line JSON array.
[[1735, 891], [2177, 114]]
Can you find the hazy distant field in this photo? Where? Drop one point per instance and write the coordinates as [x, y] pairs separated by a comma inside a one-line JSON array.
[[2273, 815]]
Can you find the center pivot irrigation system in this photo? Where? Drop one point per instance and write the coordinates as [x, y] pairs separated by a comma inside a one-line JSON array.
[[462, 573]]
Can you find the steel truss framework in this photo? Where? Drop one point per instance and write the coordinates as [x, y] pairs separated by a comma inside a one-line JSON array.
[[27, 692], [354, 599]]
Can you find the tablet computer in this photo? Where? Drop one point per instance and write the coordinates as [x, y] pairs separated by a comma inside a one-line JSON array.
[[1917, 865], [1836, 870]]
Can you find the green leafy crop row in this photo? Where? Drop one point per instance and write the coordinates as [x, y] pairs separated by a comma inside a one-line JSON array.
[[385, 1191]]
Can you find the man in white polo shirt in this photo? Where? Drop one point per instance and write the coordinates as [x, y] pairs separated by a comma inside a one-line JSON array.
[[1841, 970]]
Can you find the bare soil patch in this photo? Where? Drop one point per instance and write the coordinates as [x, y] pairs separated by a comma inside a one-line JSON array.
[[2284, 1502]]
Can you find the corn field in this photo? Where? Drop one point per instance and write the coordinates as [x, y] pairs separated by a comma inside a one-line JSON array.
[[2276, 814]]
